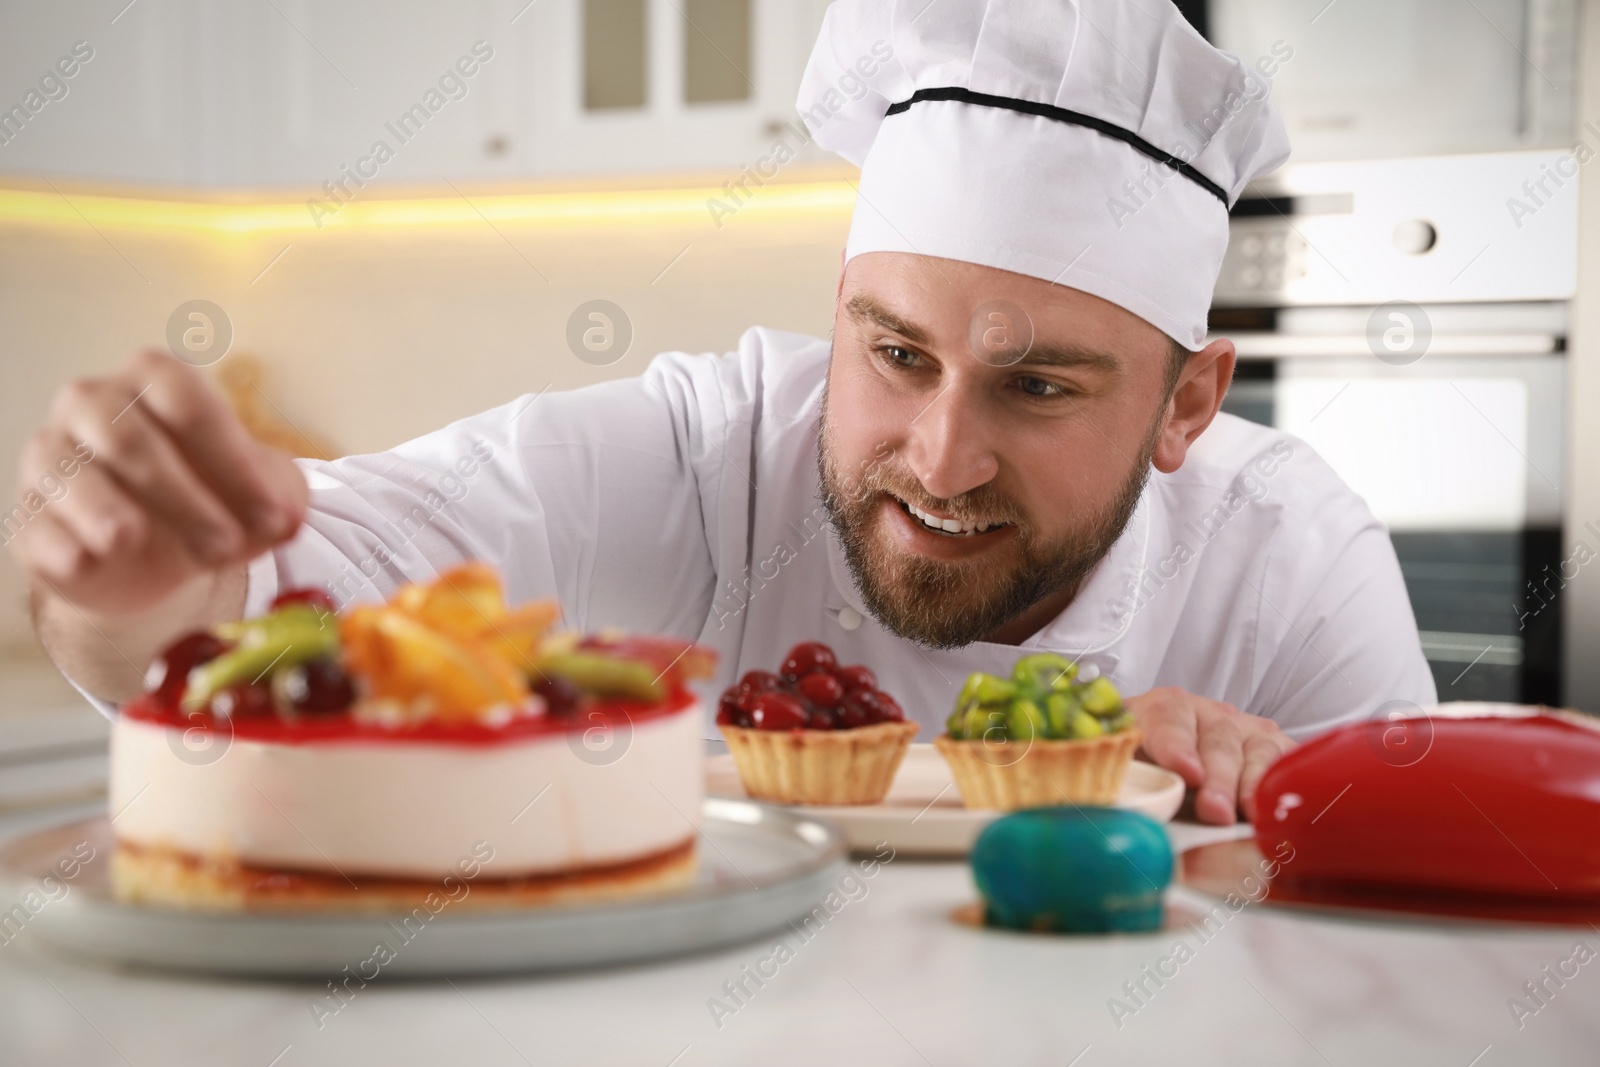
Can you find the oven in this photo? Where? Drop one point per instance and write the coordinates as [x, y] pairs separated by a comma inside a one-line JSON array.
[[1408, 319]]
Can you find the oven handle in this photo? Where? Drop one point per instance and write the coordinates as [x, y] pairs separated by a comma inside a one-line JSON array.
[[1527, 90], [1349, 346]]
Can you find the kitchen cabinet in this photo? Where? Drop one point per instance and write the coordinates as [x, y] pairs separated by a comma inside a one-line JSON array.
[[133, 107], [1376, 79], [561, 136], [312, 96]]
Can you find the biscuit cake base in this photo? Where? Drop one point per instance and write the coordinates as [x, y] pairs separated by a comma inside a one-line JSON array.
[[169, 877]]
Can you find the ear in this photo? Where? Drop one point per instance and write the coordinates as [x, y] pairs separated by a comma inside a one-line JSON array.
[[1195, 402], [840, 288]]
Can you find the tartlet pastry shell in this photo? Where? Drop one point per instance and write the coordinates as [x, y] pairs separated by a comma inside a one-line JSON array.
[[854, 766], [1017, 774]]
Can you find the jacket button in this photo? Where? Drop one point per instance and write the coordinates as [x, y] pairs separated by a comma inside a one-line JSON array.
[[849, 618]]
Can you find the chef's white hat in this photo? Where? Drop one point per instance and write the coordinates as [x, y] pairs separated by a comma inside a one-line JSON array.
[[1094, 143]]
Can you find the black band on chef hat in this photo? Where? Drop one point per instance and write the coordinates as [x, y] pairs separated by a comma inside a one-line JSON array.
[[1061, 114]]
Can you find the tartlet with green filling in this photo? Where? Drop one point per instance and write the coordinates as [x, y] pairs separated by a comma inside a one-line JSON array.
[[1039, 737]]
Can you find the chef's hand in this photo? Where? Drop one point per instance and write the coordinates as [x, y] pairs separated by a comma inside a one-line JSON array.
[[1213, 746], [140, 500]]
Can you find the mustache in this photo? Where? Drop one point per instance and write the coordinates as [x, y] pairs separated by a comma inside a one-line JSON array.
[[983, 504]]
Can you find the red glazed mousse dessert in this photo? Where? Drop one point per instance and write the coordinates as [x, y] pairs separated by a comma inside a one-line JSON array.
[[442, 746], [815, 732]]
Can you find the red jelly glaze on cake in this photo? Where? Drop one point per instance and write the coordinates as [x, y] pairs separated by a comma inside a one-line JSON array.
[[345, 727]]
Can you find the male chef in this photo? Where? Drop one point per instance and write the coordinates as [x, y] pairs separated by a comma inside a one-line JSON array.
[[1011, 444]]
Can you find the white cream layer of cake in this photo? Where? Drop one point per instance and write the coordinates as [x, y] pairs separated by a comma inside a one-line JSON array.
[[413, 809]]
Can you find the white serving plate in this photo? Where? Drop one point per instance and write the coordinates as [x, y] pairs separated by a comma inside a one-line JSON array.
[[923, 814], [761, 866]]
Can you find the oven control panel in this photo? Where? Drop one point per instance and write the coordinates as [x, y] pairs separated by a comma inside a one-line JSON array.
[[1455, 229], [1263, 256]]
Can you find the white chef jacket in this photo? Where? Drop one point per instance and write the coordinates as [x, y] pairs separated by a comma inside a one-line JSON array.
[[685, 502]]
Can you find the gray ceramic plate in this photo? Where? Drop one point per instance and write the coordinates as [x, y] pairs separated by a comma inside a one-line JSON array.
[[760, 867]]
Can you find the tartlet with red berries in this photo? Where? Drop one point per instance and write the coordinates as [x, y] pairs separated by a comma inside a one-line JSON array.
[[814, 732], [440, 748]]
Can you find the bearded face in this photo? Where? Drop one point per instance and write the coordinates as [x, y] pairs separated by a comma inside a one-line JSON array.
[[975, 471], [947, 603]]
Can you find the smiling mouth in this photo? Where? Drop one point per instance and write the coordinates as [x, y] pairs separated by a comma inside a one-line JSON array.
[[948, 527]]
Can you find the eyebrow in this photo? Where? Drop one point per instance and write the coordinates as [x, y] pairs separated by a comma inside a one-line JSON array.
[[862, 307], [1070, 356]]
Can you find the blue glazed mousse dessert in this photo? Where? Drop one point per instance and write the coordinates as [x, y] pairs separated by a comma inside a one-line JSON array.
[[1073, 870]]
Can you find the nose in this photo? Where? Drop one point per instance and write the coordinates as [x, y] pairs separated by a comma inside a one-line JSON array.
[[950, 445]]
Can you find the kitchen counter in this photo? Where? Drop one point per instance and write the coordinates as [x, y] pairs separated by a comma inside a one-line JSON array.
[[890, 980]]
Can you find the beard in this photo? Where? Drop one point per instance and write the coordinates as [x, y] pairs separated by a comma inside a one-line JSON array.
[[941, 604]]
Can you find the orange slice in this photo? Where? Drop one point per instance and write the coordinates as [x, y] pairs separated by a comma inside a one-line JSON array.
[[404, 659]]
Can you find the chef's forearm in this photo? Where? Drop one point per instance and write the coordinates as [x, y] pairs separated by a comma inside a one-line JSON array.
[[107, 656]]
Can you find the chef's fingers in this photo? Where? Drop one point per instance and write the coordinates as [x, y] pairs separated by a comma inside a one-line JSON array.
[[1260, 752], [294, 493], [44, 546], [133, 448], [197, 417], [101, 514], [1167, 718], [48, 547], [1222, 752]]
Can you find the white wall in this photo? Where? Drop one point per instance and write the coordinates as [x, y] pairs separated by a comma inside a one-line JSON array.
[[372, 337]]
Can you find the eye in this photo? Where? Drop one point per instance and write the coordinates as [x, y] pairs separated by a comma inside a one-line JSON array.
[[1039, 387], [900, 357]]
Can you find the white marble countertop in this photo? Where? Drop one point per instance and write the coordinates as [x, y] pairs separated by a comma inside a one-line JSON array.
[[891, 980]]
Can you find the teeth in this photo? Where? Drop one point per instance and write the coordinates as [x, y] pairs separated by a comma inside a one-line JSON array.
[[950, 526]]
